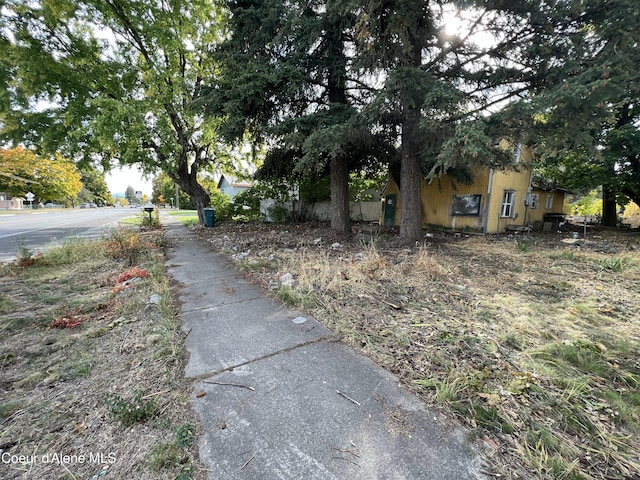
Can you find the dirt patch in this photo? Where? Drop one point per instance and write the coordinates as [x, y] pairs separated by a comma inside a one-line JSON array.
[[532, 342], [91, 365]]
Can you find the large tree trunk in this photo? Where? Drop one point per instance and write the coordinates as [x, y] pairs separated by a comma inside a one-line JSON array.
[[340, 218], [187, 180], [609, 211], [410, 175], [336, 90]]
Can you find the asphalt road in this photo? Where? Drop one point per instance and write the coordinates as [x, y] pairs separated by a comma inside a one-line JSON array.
[[36, 230]]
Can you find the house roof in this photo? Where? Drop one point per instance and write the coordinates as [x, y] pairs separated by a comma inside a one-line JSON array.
[[548, 187], [233, 182]]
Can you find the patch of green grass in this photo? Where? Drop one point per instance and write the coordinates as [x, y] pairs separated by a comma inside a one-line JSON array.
[[258, 265], [182, 213], [575, 358], [132, 221], [524, 245], [295, 297], [47, 298], [131, 411], [615, 265], [9, 408], [185, 435], [171, 455], [6, 304], [186, 217], [489, 418], [78, 369], [623, 408], [541, 437], [165, 456], [190, 221], [71, 251]]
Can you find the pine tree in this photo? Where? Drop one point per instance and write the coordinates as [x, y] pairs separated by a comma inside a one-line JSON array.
[[287, 78]]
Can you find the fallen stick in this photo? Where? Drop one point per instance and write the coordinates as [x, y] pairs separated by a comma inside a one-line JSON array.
[[247, 462], [231, 385], [155, 394], [348, 460], [348, 398]]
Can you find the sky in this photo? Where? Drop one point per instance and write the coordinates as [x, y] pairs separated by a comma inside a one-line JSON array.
[[118, 179]]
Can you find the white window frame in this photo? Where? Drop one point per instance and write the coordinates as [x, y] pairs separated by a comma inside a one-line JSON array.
[[508, 204], [535, 199], [549, 203]]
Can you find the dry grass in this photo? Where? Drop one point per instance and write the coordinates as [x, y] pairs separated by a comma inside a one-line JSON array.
[[77, 357], [535, 347]]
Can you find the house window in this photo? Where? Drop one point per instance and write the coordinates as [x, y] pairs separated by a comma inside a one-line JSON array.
[[508, 201], [518, 154], [533, 200], [467, 205], [549, 204]]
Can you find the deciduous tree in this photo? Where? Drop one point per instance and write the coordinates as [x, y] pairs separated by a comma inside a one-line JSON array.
[[51, 178], [113, 79]]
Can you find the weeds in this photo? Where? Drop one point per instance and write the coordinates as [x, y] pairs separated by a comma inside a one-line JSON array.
[[150, 221], [168, 455], [25, 257], [524, 245], [6, 304], [131, 411], [125, 244], [185, 435], [66, 339], [615, 265], [9, 408], [558, 388]]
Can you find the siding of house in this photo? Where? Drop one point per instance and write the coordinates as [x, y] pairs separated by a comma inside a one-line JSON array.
[[485, 197], [438, 198], [516, 182], [231, 187], [557, 202]]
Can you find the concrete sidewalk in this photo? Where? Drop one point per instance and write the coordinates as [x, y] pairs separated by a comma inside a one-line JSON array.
[[284, 400]]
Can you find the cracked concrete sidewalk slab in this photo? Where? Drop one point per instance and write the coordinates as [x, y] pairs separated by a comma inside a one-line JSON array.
[[229, 335], [282, 418]]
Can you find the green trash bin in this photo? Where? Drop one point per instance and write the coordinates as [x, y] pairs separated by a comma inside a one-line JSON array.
[[209, 217]]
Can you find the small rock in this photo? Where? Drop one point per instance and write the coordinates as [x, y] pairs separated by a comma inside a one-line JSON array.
[[299, 320], [155, 299], [238, 257], [131, 281], [287, 280], [317, 241], [335, 245]]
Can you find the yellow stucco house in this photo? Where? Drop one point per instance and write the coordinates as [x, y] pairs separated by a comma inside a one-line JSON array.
[[496, 201]]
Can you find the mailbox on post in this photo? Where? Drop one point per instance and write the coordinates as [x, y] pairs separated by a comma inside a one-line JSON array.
[[149, 210]]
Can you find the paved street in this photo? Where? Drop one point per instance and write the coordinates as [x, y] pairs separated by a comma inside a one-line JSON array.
[[39, 228]]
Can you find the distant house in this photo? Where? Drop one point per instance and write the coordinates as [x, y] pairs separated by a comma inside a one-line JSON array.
[[6, 202], [232, 186], [496, 201]]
